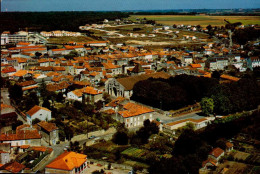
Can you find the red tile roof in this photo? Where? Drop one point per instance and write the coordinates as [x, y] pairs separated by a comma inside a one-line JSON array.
[[216, 152], [133, 109], [35, 109], [47, 126], [13, 167]]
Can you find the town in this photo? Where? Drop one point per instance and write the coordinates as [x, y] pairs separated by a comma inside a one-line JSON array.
[[131, 95]]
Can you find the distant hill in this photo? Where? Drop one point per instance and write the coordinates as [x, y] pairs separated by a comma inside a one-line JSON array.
[[47, 21]]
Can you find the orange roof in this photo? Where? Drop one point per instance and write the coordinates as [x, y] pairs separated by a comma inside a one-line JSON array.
[[8, 70], [209, 160], [23, 43], [20, 73], [68, 161], [4, 106], [228, 77], [47, 126], [35, 109], [133, 109], [34, 49], [229, 145], [195, 65], [109, 111], [42, 149], [91, 90], [23, 132], [27, 83], [30, 87], [216, 152], [62, 49], [110, 66], [13, 167], [24, 146]]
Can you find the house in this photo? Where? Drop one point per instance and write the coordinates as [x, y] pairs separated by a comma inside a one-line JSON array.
[[173, 126], [69, 163], [38, 112], [4, 157], [216, 154], [217, 63], [229, 146], [89, 93], [28, 85], [12, 167], [134, 114], [124, 86], [6, 147], [25, 135], [209, 164], [49, 132]]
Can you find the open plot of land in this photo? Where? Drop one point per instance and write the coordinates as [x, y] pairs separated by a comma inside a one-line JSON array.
[[198, 20], [234, 167], [241, 155]]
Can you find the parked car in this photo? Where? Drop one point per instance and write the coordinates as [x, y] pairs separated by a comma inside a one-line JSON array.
[[92, 137]]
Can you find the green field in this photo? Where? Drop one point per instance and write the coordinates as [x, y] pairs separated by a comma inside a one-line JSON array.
[[198, 20]]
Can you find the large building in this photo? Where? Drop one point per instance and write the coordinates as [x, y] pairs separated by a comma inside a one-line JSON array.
[[68, 163], [124, 86]]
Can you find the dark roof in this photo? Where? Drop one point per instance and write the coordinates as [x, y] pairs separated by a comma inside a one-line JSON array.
[[138, 68], [129, 82]]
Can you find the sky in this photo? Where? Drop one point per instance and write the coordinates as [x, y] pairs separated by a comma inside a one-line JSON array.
[[121, 5]]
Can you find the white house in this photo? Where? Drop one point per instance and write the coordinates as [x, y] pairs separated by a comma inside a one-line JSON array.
[[134, 115], [41, 113]]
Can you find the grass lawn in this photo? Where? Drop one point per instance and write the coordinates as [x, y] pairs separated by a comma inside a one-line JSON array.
[[198, 20]]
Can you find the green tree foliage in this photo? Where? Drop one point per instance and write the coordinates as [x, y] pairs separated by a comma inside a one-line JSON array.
[[242, 36], [173, 93], [60, 97], [15, 92], [160, 145], [36, 120], [71, 55], [74, 146], [143, 134], [236, 96], [207, 105], [40, 21], [121, 135], [46, 104]]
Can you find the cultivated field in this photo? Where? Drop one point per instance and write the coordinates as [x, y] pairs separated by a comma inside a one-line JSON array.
[[198, 20]]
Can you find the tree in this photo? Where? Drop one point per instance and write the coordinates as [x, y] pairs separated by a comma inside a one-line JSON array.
[[37, 54], [60, 97], [36, 120], [42, 89], [121, 135], [46, 104], [207, 105], [15, 92]]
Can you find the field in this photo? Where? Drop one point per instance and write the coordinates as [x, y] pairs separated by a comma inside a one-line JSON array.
[[198, 20]]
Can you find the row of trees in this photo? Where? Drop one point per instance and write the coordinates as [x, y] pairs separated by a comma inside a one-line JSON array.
[[183, 90], [173, 93], [40, 21], [140, 137], [193, 147]]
